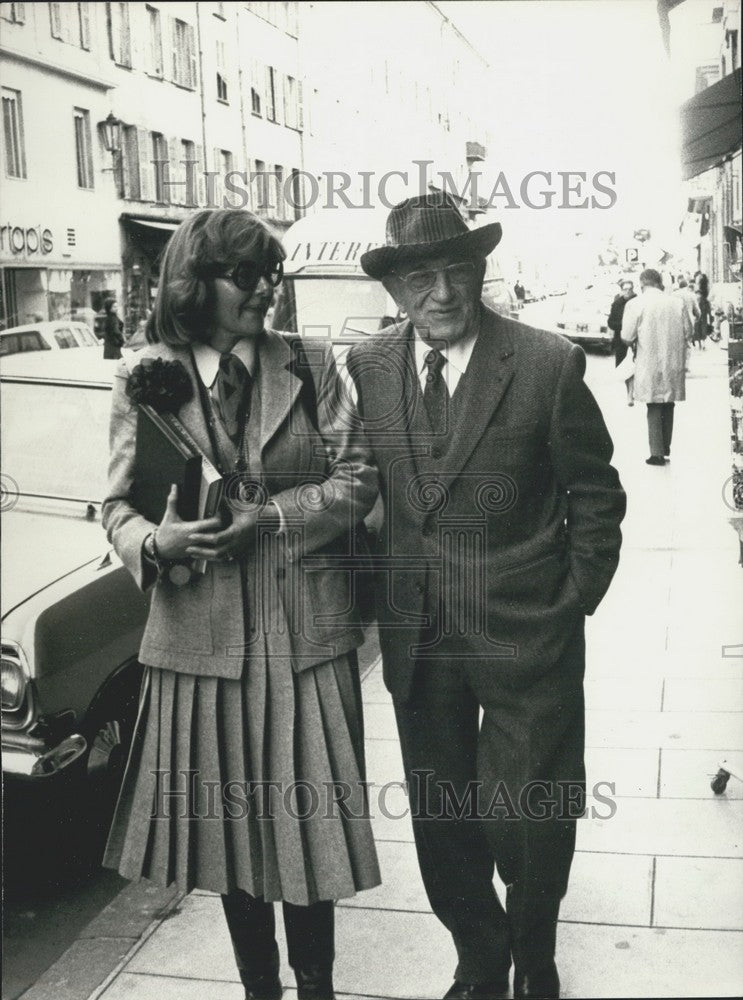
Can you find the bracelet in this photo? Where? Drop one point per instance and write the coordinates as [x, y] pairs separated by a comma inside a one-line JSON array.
[[177, 571]]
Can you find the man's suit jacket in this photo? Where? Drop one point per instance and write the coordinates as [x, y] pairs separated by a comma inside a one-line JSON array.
[[319, 472], [499, 537]]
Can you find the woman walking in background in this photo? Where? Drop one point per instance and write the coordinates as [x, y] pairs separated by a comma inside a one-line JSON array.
[[113, 331], [251, 682]]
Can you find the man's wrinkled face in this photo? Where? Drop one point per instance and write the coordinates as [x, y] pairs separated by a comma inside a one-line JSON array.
[[441, 296]]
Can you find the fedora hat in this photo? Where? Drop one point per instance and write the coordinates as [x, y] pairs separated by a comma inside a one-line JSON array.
[[428, 225]]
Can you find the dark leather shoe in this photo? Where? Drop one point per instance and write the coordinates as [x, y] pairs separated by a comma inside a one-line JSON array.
[[478, 991], [314, 983], [264, 988], [541, 984], [655, 460]]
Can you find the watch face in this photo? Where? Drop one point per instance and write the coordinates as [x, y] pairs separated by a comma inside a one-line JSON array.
[[179, 574]]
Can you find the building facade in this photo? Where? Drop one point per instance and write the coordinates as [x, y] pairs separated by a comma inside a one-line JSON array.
[[242, 105], [705, 48]]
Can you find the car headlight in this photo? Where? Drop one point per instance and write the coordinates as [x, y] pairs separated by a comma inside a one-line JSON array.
[[14, 681]]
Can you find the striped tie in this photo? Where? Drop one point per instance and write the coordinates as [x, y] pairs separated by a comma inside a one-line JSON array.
[[436, 394]]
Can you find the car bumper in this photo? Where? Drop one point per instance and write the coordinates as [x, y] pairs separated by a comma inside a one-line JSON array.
[[30, 758], [592, 337]]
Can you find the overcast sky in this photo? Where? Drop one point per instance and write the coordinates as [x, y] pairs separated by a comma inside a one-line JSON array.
[[580, 85]]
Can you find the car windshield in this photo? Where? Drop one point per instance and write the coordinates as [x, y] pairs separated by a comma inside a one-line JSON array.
[[339, 307], [55, 439]]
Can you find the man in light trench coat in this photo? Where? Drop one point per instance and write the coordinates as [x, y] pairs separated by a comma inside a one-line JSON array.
[[661, 324]]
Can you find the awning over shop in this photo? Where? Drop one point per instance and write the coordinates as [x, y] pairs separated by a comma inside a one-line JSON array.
[[711, 126], [152, 223]]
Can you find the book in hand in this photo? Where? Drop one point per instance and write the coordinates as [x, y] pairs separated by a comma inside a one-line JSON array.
[[166, 454]]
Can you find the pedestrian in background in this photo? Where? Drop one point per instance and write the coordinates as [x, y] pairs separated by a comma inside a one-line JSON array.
[[614, 322], [113, 331], [703, 319], [658, 323], [520, 292], [689, 298]]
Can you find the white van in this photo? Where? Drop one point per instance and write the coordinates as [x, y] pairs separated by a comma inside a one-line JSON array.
[[326, 295]]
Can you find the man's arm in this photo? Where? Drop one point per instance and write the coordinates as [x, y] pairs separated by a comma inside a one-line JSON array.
[[330, 509], [581, 452]]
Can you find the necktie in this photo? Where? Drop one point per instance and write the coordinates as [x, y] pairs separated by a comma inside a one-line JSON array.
[[234, 387], [436, 394]]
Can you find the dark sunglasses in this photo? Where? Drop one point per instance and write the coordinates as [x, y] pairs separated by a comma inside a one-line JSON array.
[[248, 273]]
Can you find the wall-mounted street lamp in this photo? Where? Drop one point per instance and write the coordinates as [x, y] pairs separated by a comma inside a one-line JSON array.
[[110, 133]]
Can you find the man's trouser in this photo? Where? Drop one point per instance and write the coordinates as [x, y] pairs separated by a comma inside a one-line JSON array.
[[660, 428], [523, 763]]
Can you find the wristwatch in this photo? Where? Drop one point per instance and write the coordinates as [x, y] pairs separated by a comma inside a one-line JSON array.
[[177, 572]]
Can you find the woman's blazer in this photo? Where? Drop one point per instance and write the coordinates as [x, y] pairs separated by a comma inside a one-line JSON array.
[[316, 467]]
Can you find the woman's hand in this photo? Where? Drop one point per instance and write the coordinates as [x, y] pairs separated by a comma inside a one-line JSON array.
[[173, 533], [231, 543]]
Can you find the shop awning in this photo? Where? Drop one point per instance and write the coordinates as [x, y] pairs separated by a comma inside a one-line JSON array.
[[152, 224], [711, 126]]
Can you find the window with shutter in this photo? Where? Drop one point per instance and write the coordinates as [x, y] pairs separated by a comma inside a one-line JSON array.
[[159, 152], [55, 15], [131, 164], [119, 35], [175, 187], [200, 181], [126, 38], [256, 88], [83, 148], [278, 85], [184, 55], [278, 179], [154, 42], [189, 166], [13, 12], [15, 153], [300, 105], [258, 185], [84, 16], [146, 170], [192, 67], [270, 94], [217, 187]]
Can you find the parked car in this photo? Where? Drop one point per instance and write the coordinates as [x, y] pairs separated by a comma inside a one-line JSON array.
[[72, 615], [495, 292], [582, 318], [53, 335]]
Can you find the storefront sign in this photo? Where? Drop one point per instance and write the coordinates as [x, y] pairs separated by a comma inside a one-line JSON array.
[[26, 242]]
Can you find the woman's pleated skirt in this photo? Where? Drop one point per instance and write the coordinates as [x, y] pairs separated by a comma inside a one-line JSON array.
[[254, 784]]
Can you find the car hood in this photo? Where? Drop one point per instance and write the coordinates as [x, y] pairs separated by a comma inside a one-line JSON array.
[[39, 547]]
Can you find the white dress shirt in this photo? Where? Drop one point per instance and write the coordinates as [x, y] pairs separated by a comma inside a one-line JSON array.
[[457, 358], [207, 359]]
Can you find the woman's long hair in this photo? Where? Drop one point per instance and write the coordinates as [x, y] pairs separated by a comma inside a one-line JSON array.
[[207, 242]]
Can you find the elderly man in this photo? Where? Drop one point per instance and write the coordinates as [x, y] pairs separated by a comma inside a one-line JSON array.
[[501, 533], [661, 324]]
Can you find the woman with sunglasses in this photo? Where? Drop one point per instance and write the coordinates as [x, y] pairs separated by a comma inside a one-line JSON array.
[[247, 764]]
